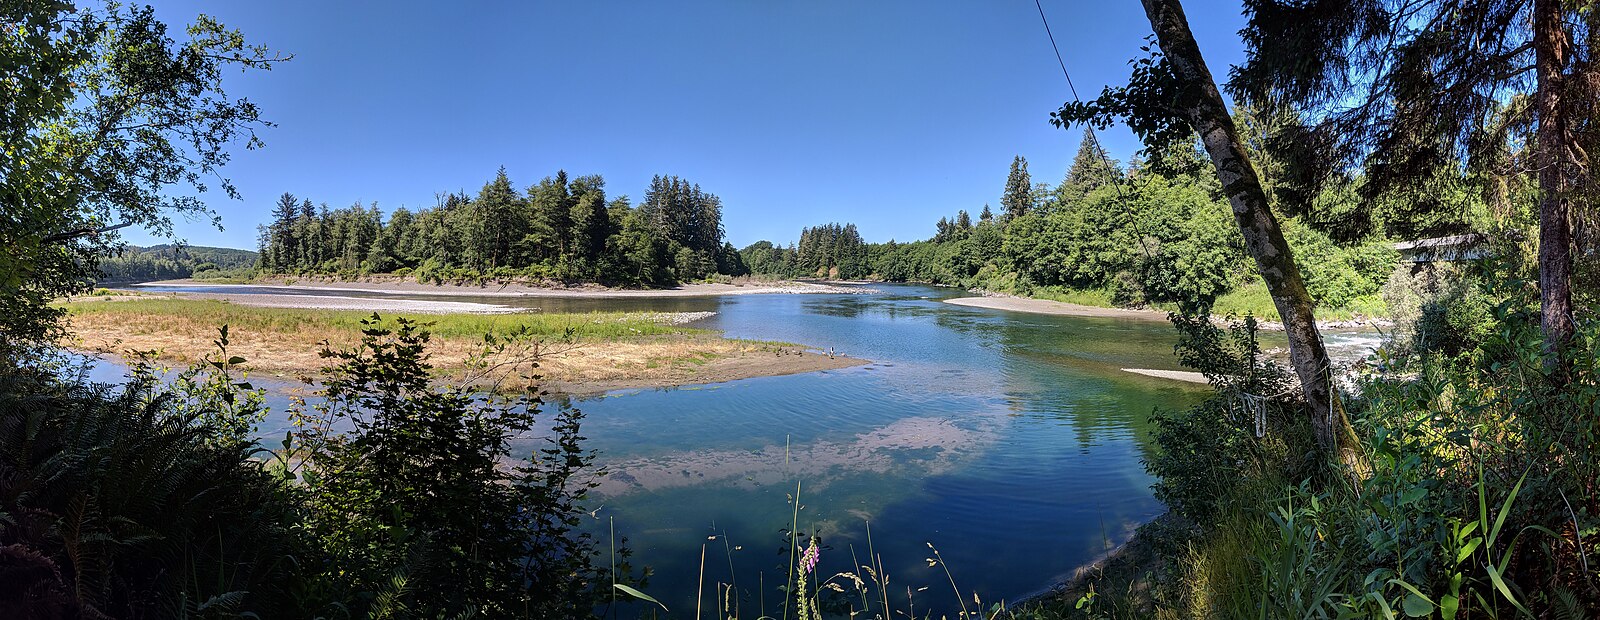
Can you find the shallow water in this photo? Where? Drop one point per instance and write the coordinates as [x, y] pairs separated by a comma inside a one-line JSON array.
[[1012, 442]]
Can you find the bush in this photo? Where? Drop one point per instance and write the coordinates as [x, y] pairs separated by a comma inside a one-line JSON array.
[[1472, 495], [148, 500], [413, 508], [140, 500]]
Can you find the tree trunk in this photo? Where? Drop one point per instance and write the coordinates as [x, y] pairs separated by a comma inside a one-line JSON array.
[[1263, 239], [1557, 165]]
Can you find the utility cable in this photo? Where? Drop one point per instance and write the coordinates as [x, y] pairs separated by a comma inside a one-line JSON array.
[[1094, 139]]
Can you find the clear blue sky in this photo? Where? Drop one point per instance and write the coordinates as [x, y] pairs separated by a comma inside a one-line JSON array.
[[887, 114]]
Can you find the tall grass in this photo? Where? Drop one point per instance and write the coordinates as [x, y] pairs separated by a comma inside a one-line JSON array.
[[595, 326]]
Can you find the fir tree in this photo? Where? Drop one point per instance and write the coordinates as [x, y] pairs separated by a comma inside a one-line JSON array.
[[1089, 170], [1018, 197]]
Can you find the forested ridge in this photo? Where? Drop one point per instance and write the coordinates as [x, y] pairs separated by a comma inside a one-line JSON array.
[[1155, 231], [560, 229], [167, 261]]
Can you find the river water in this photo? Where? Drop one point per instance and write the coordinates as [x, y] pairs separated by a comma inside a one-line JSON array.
[[1011, 442]]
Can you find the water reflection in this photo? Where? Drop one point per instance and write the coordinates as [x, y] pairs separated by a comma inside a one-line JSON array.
[[1013, 442]]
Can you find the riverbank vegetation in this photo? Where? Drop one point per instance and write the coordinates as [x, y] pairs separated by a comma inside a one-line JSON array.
[[560, 229], [1149, 235], [1463, 484], [391, 498]]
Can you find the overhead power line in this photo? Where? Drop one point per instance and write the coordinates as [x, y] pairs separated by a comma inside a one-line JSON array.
[[1094, 139]]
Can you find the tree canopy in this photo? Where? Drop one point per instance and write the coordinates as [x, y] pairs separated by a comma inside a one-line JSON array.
[[114, 124]]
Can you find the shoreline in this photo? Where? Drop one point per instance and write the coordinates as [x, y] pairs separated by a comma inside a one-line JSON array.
[[1123, 569], [395, 285], [1058, 308], [1012, 303], [284, 343]]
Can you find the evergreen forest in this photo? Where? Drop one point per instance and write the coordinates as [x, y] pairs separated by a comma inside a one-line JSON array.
[[560, 229]]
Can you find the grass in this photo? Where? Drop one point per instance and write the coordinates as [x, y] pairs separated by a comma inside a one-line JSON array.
[[1250, 298], [577, 353], [585, 327], [1097, 297]]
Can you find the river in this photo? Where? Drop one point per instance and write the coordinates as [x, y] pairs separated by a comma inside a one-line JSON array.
[[1011, 442]]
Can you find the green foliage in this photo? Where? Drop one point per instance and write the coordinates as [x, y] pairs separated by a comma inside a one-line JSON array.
[[395, 497], [1017, 200], [560, 229], [415, 490], [1222, 442], [114, 124], [140, 500], [828, 251], [1471, 497], [1152, 238], [1336, 276], [164, 262]]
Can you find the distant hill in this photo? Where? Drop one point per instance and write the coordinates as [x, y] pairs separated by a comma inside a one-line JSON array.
[[167, 261]]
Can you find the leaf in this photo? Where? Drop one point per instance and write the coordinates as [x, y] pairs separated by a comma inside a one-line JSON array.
[[235, 360], [637, 594], [1416, 606], [1448, 606], [1383, 605], [1500, 584], [1505, 508]]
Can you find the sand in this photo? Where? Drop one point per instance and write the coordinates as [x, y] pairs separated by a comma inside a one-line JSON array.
[[336, 302], [405, 286], [1175, 375], [1045, 306]]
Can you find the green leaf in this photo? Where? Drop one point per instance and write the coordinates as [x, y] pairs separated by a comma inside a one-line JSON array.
[[1448, 606], [1416, 606], [637, 594], [1500, 584], [1505, 508], [236, 360], [1383, 605]]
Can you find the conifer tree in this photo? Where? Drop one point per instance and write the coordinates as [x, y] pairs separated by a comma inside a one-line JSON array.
[[497, 222], [591, 224], [1089, 170], [1018, 197], [282, 251]]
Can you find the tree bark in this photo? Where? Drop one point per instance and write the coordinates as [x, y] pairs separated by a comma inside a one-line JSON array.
[[1263, 238], [1557, 166]]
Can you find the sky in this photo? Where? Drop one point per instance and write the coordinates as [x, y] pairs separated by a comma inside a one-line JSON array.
[[885, 113]]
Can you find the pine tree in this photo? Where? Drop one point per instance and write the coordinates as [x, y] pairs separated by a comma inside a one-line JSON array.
[[282, 245], [307, 230], [1018, 197], [497, 223], [591, 224], [1089, 170]]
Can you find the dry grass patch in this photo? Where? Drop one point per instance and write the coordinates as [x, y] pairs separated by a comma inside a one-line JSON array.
[[579, 352]]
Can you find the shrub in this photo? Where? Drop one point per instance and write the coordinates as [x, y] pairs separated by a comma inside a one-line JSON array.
[[413, 508], [139, 501]]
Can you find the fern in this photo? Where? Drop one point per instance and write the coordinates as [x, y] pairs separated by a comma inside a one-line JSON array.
[[1567, 606]]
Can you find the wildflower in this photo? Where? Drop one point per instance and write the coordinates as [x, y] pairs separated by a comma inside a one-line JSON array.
[[808, 560]]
